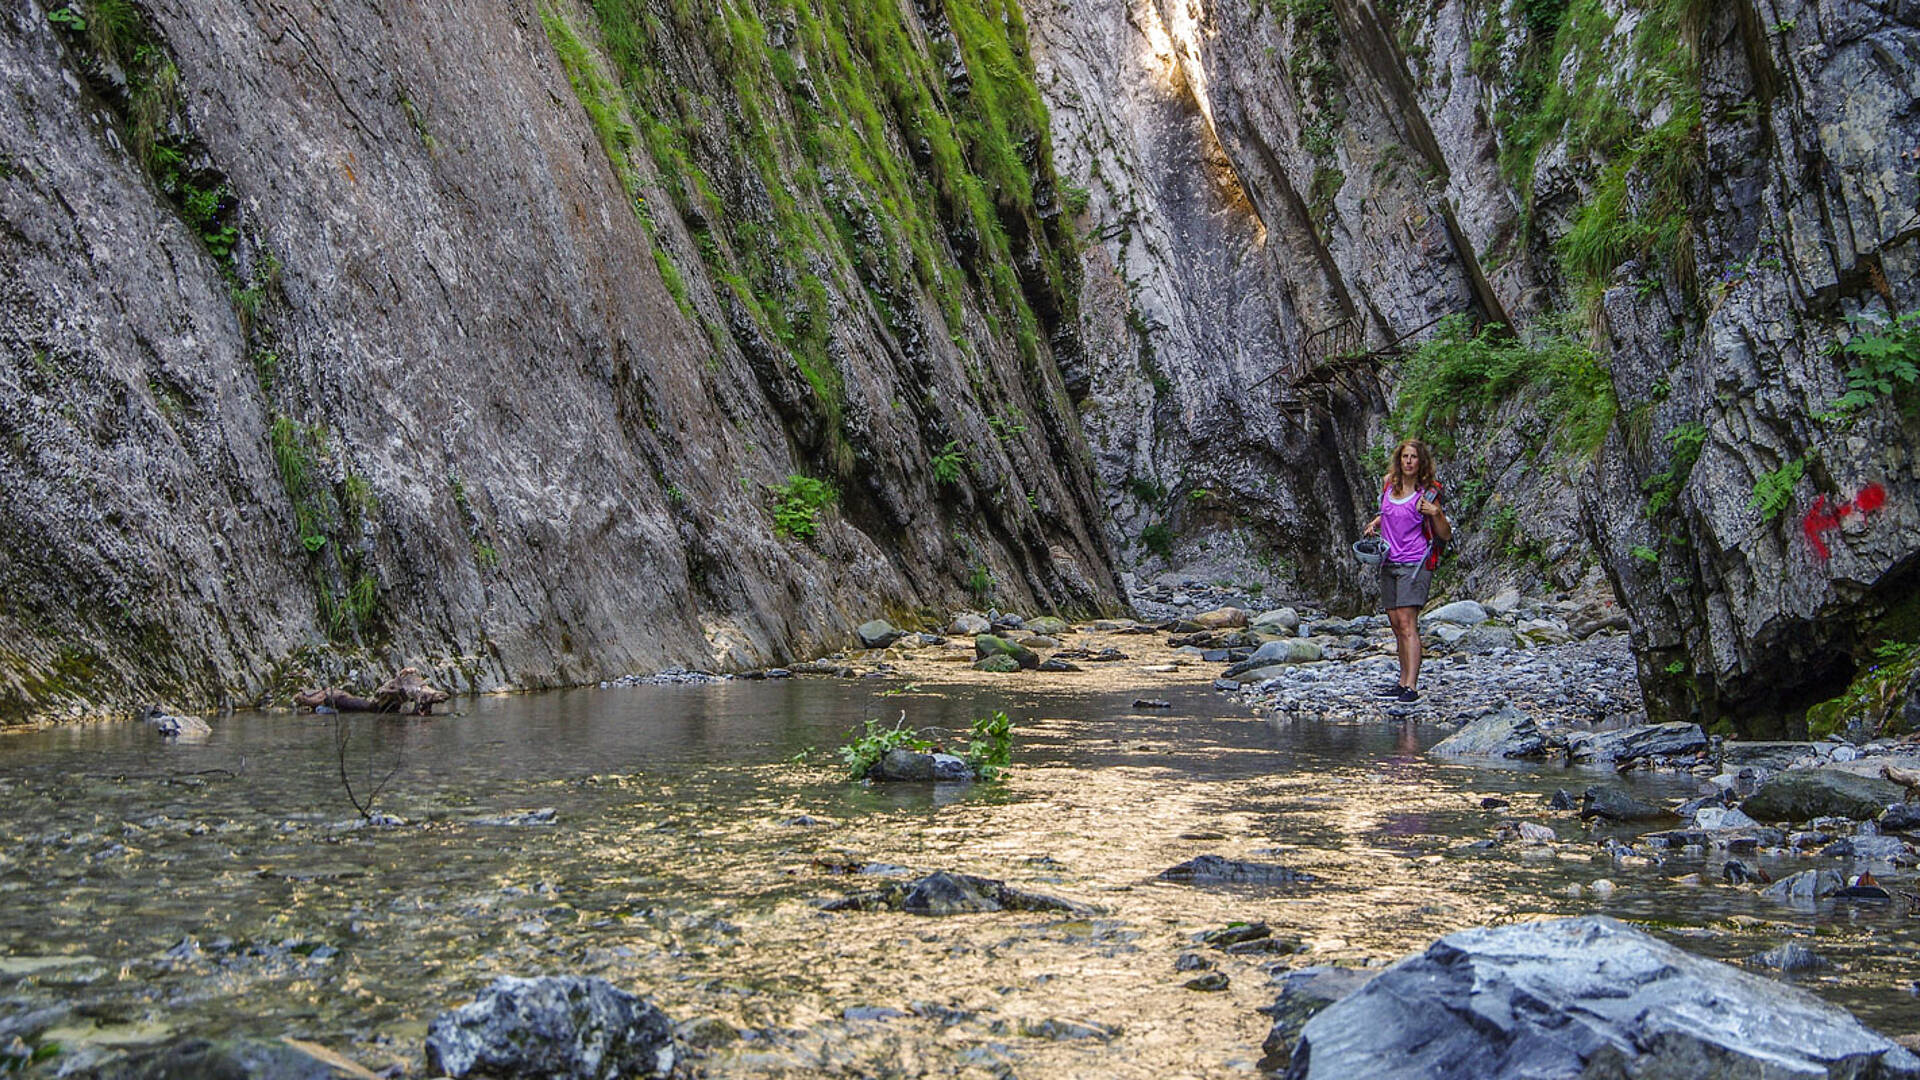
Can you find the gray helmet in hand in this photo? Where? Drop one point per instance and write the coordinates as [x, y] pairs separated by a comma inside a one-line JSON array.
[[1370, 550]]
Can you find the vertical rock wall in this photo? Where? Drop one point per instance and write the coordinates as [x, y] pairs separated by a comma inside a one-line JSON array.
[[337, 338]]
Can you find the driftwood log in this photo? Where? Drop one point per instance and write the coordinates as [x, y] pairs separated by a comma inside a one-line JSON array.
[[407, 693]]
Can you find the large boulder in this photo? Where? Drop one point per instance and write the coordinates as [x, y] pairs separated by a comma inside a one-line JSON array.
[[556, 1027], [1585, 998], [986, 645], [1487, 637], [1460, 612], [1616, 805], [1624, 745], [170, 726], [1805, 794], [1283, 651], [1508, 733], [878, 634], [1804, 887], [1279, 619], [1304, 994], [1049, 625], [1226, 618], [968, 624]]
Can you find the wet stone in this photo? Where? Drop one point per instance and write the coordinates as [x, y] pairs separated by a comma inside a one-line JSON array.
[[942, 893], [1235, 933], [1219, 870], [557, 1027], [1582, 997], [1804, 887], [1804, 794], [1068, 1030], [1190, 961], [1790, 958], [1210, 982], [1616, 805]]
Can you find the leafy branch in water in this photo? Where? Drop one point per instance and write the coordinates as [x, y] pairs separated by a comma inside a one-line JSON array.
[[988, 753], [865, 751], [991, 750]]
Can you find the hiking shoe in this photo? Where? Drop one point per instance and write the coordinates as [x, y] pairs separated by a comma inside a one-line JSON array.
[[1408, 695], [1391, 690]]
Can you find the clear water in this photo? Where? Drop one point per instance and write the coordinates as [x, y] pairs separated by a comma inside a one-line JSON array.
[[161, 889]]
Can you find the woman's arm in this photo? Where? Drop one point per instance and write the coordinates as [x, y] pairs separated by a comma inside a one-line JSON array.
[[1372, 526], [1436, 519]]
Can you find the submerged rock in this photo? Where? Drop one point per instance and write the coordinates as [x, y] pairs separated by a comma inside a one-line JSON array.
[[1790, 958], [556, 1027], [1583, 998], [943, 893], [899, 764], [1616, 805], [1805, 794], [170, 726], [1508, 733], [1219, 870], [1804, 887]]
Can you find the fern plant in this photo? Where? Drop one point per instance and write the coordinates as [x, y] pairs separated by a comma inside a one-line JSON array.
[[1773, 492], [1887, 360]]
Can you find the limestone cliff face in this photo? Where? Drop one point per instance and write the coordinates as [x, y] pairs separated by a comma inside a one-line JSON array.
[[1691, 199], [489, 338]]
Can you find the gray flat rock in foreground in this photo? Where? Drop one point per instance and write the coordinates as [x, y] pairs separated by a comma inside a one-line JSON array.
[[1589, 998], [1508, 733], [556, 1027]]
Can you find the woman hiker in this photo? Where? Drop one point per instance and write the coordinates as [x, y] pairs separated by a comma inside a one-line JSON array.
[[1413, 524]]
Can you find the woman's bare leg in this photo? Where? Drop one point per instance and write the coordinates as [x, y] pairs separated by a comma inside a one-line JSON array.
[[1406, 638]]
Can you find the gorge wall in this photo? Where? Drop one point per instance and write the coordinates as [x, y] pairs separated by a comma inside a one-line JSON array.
[[490, 339], [1684, 209]]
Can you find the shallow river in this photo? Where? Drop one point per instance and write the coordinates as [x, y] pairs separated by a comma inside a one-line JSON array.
[[158, 890]]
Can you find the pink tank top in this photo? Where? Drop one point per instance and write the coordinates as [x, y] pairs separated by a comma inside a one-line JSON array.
[[1402, 524]]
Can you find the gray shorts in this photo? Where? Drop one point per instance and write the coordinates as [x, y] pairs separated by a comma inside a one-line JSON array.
[[1404, 584]]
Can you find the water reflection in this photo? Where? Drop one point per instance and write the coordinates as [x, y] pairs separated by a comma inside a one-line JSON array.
[[222, 886]]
